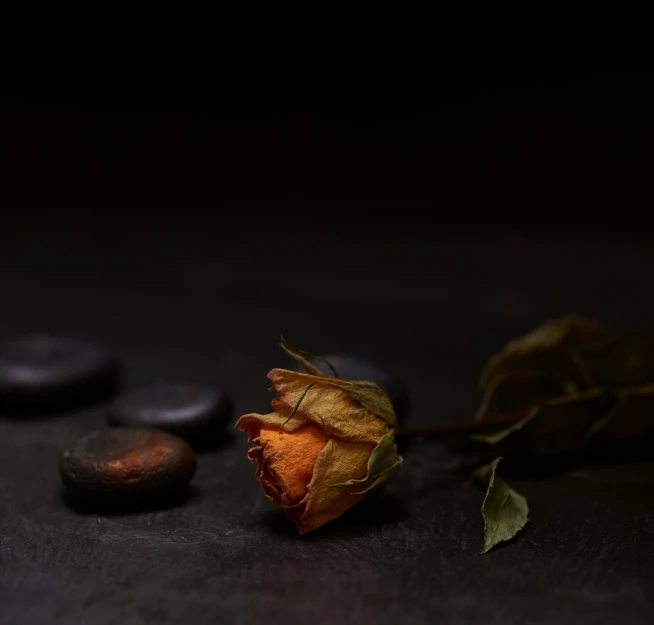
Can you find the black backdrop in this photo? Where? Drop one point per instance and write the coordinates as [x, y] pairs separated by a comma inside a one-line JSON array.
[[471, 146]]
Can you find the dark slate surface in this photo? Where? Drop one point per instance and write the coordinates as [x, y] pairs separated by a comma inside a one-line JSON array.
[[433, 310]]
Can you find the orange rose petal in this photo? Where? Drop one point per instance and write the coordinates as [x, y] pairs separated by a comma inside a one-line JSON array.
[[291, 456]]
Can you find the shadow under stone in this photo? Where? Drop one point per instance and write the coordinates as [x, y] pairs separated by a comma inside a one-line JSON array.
[[121, 508]]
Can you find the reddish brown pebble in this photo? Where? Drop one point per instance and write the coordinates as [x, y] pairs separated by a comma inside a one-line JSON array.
[[127, 465]]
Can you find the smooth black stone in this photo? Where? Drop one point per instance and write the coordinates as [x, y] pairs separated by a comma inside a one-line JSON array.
[[355, 368], [47, 373], [121, 465], [196, 411]]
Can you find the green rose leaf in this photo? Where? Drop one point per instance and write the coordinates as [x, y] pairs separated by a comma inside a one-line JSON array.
[[505, 511]]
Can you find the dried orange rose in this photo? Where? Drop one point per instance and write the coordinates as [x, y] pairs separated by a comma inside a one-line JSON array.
[[328, 443]]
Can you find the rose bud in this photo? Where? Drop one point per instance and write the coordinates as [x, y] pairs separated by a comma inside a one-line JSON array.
[[328, 443]]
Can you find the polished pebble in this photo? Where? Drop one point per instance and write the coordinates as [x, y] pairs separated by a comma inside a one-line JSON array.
[[355, 368], [196, 411], [123, 465], [43, 373]]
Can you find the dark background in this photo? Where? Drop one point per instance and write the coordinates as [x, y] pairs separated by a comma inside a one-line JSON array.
[[402, 147], [420, 218]]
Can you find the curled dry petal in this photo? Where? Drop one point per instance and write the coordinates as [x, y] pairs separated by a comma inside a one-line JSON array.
[[329, 405]]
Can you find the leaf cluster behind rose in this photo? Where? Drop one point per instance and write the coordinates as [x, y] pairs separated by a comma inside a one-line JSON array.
[[577, 384]]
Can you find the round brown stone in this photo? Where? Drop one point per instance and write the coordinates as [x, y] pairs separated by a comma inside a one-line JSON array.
[[127, 464]]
